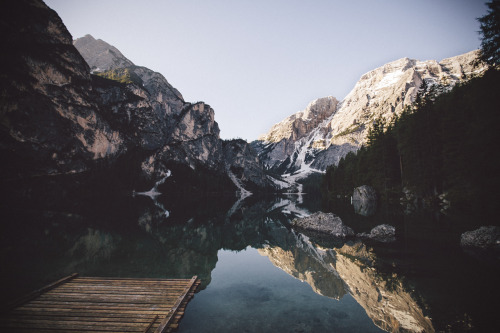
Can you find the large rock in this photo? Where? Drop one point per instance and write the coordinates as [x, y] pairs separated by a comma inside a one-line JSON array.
[[364, 193], [382, 233], [364, 200], [487, 237], [324, 223]]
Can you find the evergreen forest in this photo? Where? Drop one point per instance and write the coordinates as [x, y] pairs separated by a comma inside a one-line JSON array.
[[442, 148]]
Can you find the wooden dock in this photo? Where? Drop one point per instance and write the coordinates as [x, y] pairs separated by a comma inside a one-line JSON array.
[[87, 304]]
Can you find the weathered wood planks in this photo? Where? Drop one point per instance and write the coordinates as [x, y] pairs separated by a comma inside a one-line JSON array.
[[87, 304]]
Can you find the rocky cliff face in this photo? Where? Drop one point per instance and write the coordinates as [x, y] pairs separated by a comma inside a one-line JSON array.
[[99, 55], [242, 162], [58, 118], [51, 121], [179, 131], [278, 148], [381, 93], [174, 130]]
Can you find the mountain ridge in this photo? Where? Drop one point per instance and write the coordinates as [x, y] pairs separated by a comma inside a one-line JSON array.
[[59, 118], [381, 93]]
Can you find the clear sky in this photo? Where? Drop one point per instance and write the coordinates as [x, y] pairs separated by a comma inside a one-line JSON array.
[[258, 61]]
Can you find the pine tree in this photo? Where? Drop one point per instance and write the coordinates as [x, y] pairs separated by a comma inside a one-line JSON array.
[[490, 29]]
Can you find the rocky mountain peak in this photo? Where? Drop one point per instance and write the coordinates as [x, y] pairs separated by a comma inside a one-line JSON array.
[[295, 126], [103, 58], [99, 55], [387, 90], [298, 144]]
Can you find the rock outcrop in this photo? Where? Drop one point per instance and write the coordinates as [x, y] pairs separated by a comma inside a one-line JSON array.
[[278, 144], [382, 233], [324, 223], [379, 94], [99, 55], [241, 161]]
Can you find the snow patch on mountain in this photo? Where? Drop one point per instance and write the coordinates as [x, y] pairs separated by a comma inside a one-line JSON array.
[[242, 191], [389, 80]]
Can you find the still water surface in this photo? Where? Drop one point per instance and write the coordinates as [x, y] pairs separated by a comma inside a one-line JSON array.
[[258, 274], [249, 294]]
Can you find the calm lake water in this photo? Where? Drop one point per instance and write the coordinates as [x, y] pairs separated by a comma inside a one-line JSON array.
[[258, 274]]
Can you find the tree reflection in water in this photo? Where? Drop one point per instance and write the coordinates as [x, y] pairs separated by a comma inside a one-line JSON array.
[[132, 237]]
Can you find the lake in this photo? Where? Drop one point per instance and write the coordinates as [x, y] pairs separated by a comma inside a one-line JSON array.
[[257, 273]]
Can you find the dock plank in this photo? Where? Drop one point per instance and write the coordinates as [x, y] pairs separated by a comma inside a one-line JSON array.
[[89, 304]]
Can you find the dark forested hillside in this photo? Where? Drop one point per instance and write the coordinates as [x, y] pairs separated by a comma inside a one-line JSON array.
[[446, 143]]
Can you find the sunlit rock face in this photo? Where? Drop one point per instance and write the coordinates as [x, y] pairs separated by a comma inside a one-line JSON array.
[[279, 143], [301, 123], [381, 93], [128, 110], [51, 122]]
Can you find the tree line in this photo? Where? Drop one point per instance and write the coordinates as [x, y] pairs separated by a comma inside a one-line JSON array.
[[445, 143]]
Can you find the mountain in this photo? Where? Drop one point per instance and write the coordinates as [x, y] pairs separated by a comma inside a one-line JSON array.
[[99, 55], [73, 107], [327, 130], [51, 122]]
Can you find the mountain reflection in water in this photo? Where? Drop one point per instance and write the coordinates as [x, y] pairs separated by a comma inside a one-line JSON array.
[[127, 236]]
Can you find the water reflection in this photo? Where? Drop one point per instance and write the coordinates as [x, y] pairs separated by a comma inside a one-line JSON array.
[[333, 272], [384, 298], [132, 237]]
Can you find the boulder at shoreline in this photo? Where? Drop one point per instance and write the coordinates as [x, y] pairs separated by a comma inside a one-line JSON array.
[[382, 233], [324, 223], [486, 237]]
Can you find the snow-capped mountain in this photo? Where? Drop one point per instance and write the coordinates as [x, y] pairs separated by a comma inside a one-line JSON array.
[[320, 135]]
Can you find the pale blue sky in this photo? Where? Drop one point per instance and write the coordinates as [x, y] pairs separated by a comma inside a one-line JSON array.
[[258, 61]]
